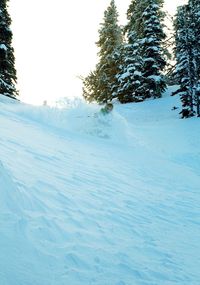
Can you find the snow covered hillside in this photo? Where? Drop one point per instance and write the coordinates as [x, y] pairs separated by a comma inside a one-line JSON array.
[[86, 200]]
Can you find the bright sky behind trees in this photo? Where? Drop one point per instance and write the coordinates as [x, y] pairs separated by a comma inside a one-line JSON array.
[[54, 43]]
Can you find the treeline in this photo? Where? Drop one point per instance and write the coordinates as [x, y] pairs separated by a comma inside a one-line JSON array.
[[133, 59]]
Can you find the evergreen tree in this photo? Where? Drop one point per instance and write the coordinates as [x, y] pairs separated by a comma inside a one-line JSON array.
[[103, 79], [90, 85], [135, 19], [130, 74], [152, 51], [194, 25], [141, 74], [130, 77], [186, 69], [8, 76]]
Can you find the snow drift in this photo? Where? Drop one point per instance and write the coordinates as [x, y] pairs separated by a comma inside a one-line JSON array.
[[77, 207]]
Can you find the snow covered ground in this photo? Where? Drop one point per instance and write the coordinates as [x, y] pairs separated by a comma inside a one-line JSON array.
[[86, 200]]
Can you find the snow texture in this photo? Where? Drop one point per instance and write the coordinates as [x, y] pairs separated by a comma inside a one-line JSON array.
[[2, 46], [87, 199]]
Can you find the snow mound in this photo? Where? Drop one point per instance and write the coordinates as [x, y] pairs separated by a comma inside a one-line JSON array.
[[78, 117]]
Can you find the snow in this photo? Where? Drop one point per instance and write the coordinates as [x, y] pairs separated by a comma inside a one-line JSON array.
[[156, 78], [124, 75], [150, 59], [87, 199], [2, 46], [137, 73]]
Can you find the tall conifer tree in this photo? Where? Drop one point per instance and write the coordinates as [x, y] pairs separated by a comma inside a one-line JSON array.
[[110, 40], [8, 76], [187, 56], [102, 83], [194, 23], [152, 51], [141, 75], [90, 85], [130, 78], [183, 58], [130, 75]]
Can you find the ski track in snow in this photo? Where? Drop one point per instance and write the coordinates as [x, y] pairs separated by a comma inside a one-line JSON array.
[[100, 207]]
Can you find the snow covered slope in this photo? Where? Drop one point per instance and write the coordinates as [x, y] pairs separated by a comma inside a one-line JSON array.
[[86, 200]]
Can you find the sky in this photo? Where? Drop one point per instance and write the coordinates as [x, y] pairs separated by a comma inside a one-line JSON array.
[[54, 44]]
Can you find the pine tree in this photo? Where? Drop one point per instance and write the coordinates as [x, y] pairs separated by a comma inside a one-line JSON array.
[[152, 51], [194, 24], [135, 19], [90, 86], [141, 74], [186, 69], [104, 77], [130, 76], [8, 76], [187, 51]]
